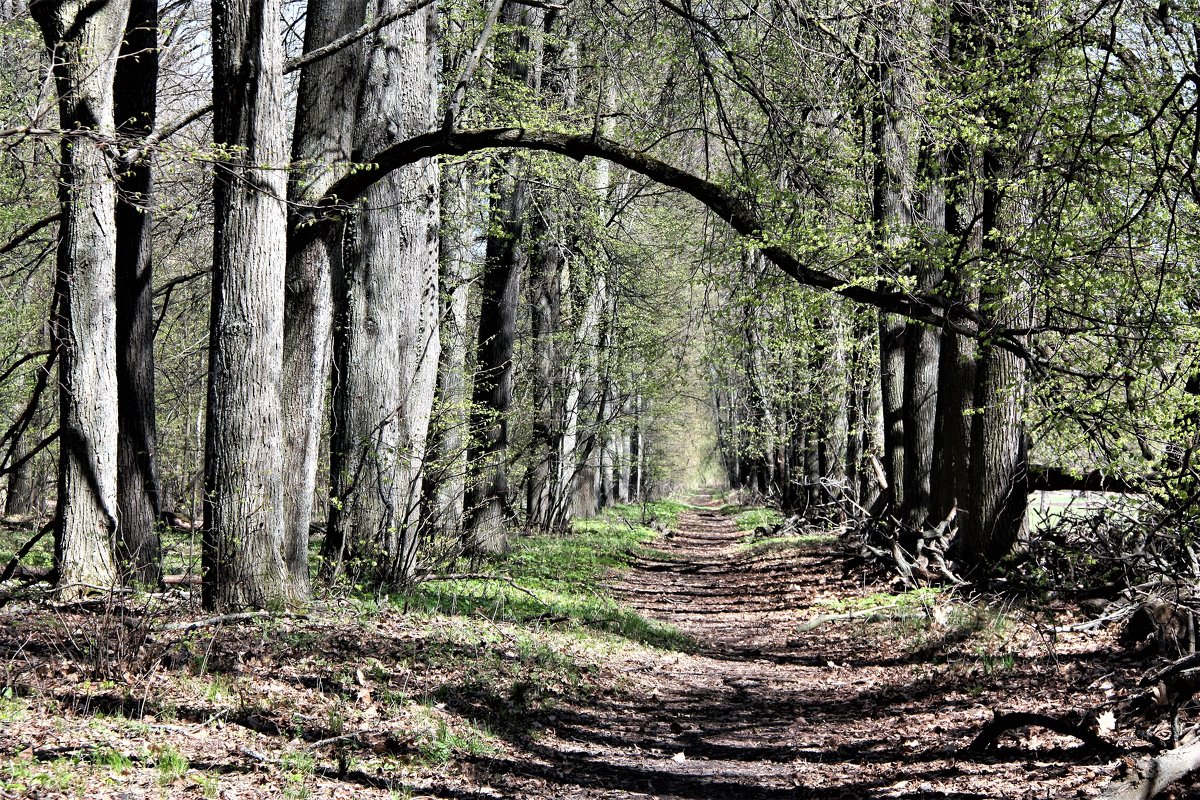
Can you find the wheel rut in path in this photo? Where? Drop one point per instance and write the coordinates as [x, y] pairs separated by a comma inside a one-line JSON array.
[[760, 710]]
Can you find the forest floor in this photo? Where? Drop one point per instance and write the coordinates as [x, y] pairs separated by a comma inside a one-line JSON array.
[[692, 669]]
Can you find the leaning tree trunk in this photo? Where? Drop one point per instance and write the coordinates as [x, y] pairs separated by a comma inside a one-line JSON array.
[[243, 498], [84, 41], [139, 552], [386, 343], [325, 116]]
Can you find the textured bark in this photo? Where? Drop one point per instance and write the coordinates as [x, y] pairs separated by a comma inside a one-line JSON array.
[[545, 318], [997, 498], [243, 501], [20, 492], [891, 384], [922, 353], [895, 142], [325, 117], [139, 551], [488, 504], [445, 474], [85, 40], [386, 342]]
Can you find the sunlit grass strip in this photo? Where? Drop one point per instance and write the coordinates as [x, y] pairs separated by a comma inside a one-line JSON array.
[[559, 579]]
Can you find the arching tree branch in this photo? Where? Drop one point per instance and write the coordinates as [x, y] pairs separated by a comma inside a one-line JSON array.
[[727, 205]]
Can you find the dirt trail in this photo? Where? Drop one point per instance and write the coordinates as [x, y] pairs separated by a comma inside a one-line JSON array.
[[764, 711]]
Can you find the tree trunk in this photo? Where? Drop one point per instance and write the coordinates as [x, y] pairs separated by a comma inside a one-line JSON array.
[[85, 41], [243, 500], [139, 551], [325, 117], [445, 474], [386, 342], [488, 504], [545, 319]]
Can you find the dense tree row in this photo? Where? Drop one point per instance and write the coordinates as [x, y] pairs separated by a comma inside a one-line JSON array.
[[926, 241]]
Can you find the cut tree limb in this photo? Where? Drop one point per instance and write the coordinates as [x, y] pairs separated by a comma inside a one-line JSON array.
[[1152, 775]]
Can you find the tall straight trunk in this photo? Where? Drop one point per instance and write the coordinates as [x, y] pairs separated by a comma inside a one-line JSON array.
[[445, 477], [636, 452], [873, 435], [894, 142], [139, 551], [386, 341], [84, 40], [950, 481], [545, 319], [997, 500], [243, 498], [488, 504], [892, 335], [325, 117], [923, 351]]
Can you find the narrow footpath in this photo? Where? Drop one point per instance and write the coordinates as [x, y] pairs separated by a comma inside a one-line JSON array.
[[856, 709]]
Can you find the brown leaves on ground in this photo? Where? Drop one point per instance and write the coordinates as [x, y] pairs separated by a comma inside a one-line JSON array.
[[356, 702]]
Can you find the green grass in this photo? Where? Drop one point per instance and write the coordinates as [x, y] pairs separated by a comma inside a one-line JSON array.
[[914, 598], [786, 544], [442, 743], [560, 578], [751, 518]]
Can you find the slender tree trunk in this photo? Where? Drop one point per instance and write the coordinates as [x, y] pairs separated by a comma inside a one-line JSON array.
[[139, 552], [445, 477], [325, 117], [84, 41], [545, 320], [386, 340], [894, 141], [322, 137], [243, 499], [922, 354], [488, 504]]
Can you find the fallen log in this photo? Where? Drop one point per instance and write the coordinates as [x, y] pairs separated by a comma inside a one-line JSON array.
[[1148, 777]]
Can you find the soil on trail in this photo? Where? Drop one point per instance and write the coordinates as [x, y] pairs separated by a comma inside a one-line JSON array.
[[762, 710]]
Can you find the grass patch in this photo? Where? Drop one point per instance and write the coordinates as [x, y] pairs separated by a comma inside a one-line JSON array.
[[785, 544], [561, 578], [751, 518], [443, 743], [914, 598]]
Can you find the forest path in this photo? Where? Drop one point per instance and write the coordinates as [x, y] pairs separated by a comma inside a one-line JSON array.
[[762, 710]]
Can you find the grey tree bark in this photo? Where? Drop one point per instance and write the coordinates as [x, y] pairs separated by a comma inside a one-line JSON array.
[[139, 552], [386, 341], [446, 469], [321, 139], [488, 505], [243, 504], [84, 41]]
